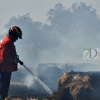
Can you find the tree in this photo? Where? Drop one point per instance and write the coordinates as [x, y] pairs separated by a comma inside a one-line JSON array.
[[70, 31], [37, 38], [78, 28]]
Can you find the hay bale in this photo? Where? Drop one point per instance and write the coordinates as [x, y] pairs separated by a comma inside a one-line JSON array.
[[77, 87]]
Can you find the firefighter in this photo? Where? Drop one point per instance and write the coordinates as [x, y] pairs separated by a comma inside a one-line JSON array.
[[8, 59]]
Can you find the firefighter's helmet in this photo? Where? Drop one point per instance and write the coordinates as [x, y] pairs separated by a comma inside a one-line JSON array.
[[15, 31]]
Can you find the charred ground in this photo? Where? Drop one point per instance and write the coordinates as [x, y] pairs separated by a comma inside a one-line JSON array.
[[74, 85]]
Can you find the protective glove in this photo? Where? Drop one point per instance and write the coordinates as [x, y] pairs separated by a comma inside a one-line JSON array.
[[16, 60]]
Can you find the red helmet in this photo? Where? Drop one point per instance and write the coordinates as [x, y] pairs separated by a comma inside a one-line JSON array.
[[16, 31]]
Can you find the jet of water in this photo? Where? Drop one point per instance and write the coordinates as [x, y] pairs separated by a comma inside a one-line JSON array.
[[44, 85]]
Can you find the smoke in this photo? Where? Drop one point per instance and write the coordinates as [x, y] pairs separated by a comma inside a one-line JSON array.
[[29, 80], [69, 31]]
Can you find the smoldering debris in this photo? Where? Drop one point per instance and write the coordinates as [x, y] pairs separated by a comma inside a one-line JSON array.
[[78, 86], [23, 85]]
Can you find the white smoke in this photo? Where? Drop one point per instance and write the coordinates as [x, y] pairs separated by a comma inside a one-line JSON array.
[[29, 80]]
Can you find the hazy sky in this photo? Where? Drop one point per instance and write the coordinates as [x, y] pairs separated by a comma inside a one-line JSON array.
[[37, 8]]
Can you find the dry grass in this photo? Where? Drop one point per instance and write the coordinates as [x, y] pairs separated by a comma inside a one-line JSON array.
[[22, 99], [27, 99], [32, 99]]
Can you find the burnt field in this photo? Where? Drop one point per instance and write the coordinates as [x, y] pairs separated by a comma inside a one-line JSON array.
[[71, 86], [21, 91], [22, 86]]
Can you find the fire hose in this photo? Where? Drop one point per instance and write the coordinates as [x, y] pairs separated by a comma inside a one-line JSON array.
[[44, 85]]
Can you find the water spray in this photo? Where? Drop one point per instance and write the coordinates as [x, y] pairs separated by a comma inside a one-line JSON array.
[[44, 85]]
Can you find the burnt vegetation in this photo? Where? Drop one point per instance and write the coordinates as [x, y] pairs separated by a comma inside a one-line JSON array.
[[70, 84]]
